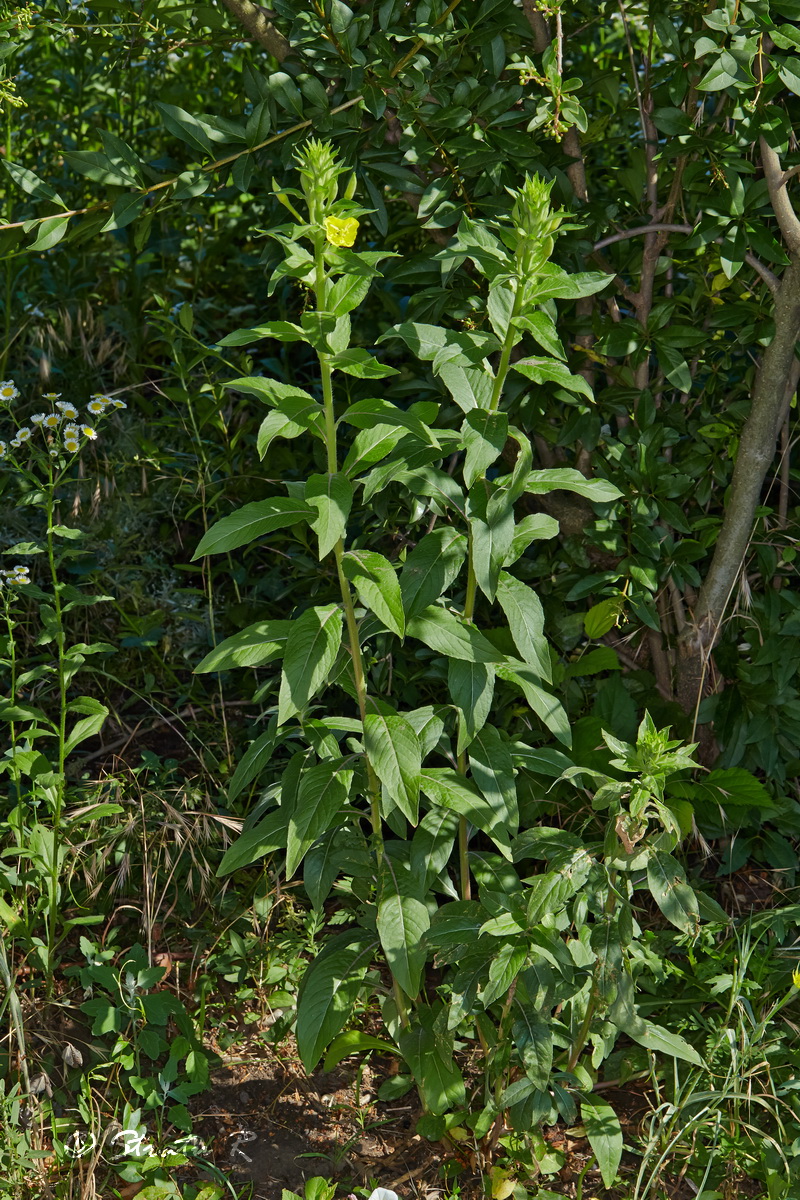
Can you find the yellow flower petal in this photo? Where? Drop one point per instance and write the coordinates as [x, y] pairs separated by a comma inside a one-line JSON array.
[[341, 231]]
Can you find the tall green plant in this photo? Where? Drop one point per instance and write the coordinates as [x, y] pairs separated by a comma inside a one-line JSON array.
[[434, 783]]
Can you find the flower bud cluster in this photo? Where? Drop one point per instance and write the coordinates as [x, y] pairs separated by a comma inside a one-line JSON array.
[[535, 222], [320, 170]]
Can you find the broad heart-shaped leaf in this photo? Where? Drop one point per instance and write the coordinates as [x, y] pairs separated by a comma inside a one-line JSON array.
[[332, 496], [430, 1059], [484, 435], [446, 787], [254, 646], [402, 924], [311, 649], [546, 707], [250, 522], [605, 1136], [328, 992], [533, 1038], [395, 754], [539, 483], [290, 418], [268, 835], [366, 413], [376, 582], [526, 622], [323, 791], [493, 771], [271, 391], [671, 892], [431, 567], [549, 370], [471, 687], [448, 634]]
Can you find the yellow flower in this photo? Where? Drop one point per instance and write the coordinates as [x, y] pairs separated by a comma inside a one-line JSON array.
[[796, 978], [341, 232]]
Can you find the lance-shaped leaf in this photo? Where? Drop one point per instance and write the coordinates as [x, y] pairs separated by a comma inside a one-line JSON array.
[[526, 622], [446, 787], [471, 687], [493, 771], [402, 923], [328, 993], [605, 1136], [671, 892], [311, 650], [370, 446], [271, 391], [395, 754], [492, 536], [452, 636], [539, 483], [377, 585], [543, 329], [431, 567], [554, 283], [360, 363], [332, 497], [251, 522], [265, 837], [254, 646], [322, 793], [547, 708], [366, 413], [431, 1061], [282, 331], [484, 434], [529, 529], [254, 759], [432, 845], [548, 370], [347, 293], [290, 418], [534, 1040], [470, 387]]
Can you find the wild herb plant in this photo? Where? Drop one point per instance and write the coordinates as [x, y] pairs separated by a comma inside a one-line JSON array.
[[540, 958], [46, 722]]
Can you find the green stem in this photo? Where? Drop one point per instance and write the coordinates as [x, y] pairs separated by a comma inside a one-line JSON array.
[[359, 675], [62, 738]]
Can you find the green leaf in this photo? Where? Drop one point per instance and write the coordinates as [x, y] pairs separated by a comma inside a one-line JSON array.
[[311, 649], [673, 364], [252, 521], [534, 1040], [271, 391], [546, 707], [525, 617], [50, 232], [553, 283], [471, 687], [32, 184], [470, 387], [268, 835], [448, 634], [394, 751], [402, 924], [98, 166], [603, 616], [361, 364], [492, 536], [540, 483], [377, 585], [328, 993], [323, 791], [85, 728], [543, 329], [431, 567], [493, 771], [366, 413], [369, 446], [347, 293], [654, 1037], [605, 1137], [484, 435], [671, 892], [332, 496], [446, 787], [535, 527], [592, 663], [292, 417], [254, 646], [547, 370], [432, 846], [195, 132], [254, 759], [355, 1042], [282, 331], [431, 1062]]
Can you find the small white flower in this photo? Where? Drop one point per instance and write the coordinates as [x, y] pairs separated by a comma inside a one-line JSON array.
[[51, 396], [71, 430], [53, 452], [96, 406], [71, 445], [23, 434], [89, 432], [119, 404], [3, 449], [67, 409], [37, 418], [51, 420], [8, 390]]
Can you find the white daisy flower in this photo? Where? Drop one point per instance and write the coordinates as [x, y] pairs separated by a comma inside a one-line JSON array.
[[71, 430], [96, 407], [51, 396], [119, 404], [3, 449], [51, 420], [8, 390], [37, 418], [53, 452], [67, 409], [71, 444], [23, 434], [89, 432]]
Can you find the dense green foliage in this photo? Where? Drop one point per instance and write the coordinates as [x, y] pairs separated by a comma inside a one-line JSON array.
[[439, 356]]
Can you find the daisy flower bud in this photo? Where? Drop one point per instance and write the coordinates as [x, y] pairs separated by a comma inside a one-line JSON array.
[[51, 396]]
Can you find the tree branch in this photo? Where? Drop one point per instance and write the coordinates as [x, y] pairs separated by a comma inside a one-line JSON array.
[[258, 23], [781, 204], [770, 279]]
